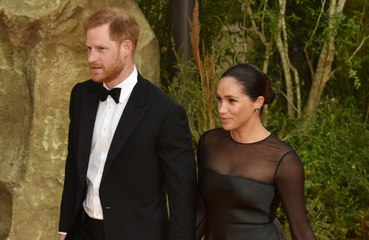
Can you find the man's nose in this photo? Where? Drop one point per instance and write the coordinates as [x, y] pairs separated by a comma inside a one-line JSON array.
[[91, 56]]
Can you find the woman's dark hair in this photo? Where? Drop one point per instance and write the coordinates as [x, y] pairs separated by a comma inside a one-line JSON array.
[[254, 82]]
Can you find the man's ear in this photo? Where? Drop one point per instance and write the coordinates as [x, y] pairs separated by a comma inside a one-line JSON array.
[[126, 47]]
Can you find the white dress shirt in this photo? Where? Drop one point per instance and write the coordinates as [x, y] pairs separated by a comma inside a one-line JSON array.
[[107, 118]]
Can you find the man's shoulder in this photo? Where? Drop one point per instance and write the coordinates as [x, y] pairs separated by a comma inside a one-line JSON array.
[[156, 94], [85, 85]]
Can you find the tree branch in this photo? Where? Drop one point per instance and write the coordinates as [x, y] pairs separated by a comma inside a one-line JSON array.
[[359, 47]]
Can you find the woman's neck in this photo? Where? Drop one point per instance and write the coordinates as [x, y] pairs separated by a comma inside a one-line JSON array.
[[250, 133]]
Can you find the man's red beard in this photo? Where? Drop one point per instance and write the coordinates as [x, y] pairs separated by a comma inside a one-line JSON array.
[[106, 74]]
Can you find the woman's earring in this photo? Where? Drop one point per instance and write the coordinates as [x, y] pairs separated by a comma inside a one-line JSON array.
[[257, 110]]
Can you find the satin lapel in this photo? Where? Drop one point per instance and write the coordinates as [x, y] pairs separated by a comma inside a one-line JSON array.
[[90, 103], [132, 114]]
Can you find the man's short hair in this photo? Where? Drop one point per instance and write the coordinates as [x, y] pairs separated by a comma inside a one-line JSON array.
[[122, 26]]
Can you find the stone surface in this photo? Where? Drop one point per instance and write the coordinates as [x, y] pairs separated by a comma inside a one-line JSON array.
[[42, 55]]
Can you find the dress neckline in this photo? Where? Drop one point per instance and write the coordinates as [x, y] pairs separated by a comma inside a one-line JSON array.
[[250, 143]]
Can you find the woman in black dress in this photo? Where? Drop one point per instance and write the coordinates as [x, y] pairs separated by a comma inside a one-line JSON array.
[[245, 172]]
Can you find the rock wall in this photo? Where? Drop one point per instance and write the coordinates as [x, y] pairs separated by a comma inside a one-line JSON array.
[[42, 55]]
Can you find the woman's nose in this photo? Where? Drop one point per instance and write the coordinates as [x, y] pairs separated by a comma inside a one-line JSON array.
[[222, 108]]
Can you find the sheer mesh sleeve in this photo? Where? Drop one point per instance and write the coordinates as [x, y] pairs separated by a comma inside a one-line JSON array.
[[289, 181]]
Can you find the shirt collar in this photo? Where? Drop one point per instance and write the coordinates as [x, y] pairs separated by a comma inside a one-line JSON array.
[[127, 85]]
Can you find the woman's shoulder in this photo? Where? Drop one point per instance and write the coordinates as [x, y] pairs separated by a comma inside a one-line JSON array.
[[215, 132], [276, 143], [215, 135]]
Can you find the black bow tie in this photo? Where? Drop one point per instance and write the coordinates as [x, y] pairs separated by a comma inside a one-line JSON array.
[[114, 93]]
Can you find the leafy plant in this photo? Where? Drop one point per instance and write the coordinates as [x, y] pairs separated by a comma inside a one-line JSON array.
[[335, 155]]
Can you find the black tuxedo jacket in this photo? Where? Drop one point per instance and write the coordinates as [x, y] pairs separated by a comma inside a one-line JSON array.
[[150, 158]]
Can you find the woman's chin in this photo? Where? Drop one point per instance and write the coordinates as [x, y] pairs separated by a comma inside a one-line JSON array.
[[226, 127]]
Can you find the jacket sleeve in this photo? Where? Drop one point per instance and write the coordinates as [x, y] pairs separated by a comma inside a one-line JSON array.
[[70, 178], [179, 168]]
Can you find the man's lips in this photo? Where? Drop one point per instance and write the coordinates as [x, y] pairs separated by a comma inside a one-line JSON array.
[[95, 69]]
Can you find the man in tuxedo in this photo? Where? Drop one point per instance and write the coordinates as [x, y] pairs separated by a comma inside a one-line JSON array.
[[130, 152]]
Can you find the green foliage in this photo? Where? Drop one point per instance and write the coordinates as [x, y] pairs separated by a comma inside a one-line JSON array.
[[352, 55], [157, 12], [335, 155], [217, 14], [187, 90]]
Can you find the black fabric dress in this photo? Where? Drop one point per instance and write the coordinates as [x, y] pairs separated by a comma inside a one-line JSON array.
[[242, 185]]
